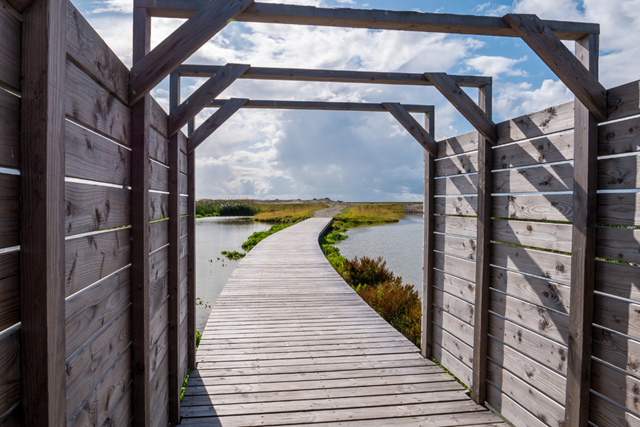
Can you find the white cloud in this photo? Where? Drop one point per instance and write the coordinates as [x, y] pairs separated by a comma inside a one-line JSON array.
[[496, 65], [490, 9], [513, 100]]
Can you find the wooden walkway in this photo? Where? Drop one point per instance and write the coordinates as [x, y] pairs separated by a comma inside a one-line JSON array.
[[290, 343]]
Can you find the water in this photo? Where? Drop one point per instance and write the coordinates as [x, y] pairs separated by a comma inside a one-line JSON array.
[[214, 235], [400, 244]]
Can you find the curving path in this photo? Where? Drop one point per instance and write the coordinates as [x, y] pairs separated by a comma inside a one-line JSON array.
[[290, 343]]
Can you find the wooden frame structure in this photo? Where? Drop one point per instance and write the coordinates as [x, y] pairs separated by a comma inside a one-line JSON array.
[[50, 65]]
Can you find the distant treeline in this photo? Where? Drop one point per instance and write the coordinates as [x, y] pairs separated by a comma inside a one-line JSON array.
[[208, 207]]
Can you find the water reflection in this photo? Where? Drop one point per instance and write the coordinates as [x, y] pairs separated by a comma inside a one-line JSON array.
[[214, 235], [400, 245]]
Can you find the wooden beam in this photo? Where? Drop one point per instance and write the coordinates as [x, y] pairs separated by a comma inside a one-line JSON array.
[[42, 183], [140, 127], [175, 383], [483, 257], [465, 105], [584, 85], [336, 76], [412, 126], [428, 247], [372, 19], [583, 262], [319, 105], [191, 278], [209, 91], [181, 44], [214, 122]]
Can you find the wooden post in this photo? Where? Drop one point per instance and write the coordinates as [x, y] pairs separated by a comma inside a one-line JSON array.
[[42, 255], [174, 260], [429, 227], [483, 258], [191, 277], [140, 124], [584, 246]]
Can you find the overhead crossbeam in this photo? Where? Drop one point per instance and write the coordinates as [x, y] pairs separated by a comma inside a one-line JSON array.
[[186, 111], [333, 106], [568, 68], [412, 126], [465, 105], [212, 17], [335, 76], [214, 122], [372, 19]]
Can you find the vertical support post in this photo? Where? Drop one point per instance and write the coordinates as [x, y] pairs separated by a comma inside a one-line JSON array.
[[174, 260], [483, 256], [584, 247], [42, 336], [429, 227], [191, 277], [140, 124]]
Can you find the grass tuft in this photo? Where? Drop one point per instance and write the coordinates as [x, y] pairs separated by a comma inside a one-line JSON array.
[[371, 214]]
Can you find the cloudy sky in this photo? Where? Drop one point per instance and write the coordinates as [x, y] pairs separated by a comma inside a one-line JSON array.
[[356, 156]]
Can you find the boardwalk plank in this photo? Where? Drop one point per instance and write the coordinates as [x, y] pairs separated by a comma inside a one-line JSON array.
[[288, 342]]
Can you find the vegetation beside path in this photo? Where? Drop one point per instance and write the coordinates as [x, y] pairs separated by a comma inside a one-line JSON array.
[[371, 214], [397, 303]]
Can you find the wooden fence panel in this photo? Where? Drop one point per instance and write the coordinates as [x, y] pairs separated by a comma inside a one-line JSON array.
[[10, 49], [9, 370], [94, 107], [94, 208], [93, 257], [92, 157], [9, 130], [9, 210]]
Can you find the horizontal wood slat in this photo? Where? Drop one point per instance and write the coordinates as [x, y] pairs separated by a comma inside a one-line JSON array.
[[158, 177], [94, 107], [93, 208], [616, 385], [623, 100], [463, 268], [458, 308], [548, 265], [92, 157], [158, 234], [620, 244], [509, 409], [453, 345], [617, 350], [544, 122], [547, 207], [543, 235], [547, 149], [158, 206], [9, 130], [619, 208], [460, 226], [94, 257], [619, 173], [619, 137]]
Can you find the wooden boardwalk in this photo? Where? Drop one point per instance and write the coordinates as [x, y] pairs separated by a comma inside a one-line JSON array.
[[290, 343]]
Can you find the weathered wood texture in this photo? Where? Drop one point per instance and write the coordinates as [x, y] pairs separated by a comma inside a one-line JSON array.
[[373, 19], [42, 195], [327, 357], [428, 274], [530, 286]]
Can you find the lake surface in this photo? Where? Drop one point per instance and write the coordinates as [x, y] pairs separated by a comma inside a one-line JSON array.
[[400, 245], [214, 235]]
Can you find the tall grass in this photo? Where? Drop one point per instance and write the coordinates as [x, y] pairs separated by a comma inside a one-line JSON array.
[[208, 207], [397, 303], [289, 213], [371, 214]]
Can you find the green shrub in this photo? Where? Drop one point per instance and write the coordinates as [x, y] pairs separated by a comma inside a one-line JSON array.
[[233, 255]]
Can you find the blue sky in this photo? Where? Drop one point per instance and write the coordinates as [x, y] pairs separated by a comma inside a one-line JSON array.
[[364, 156]]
